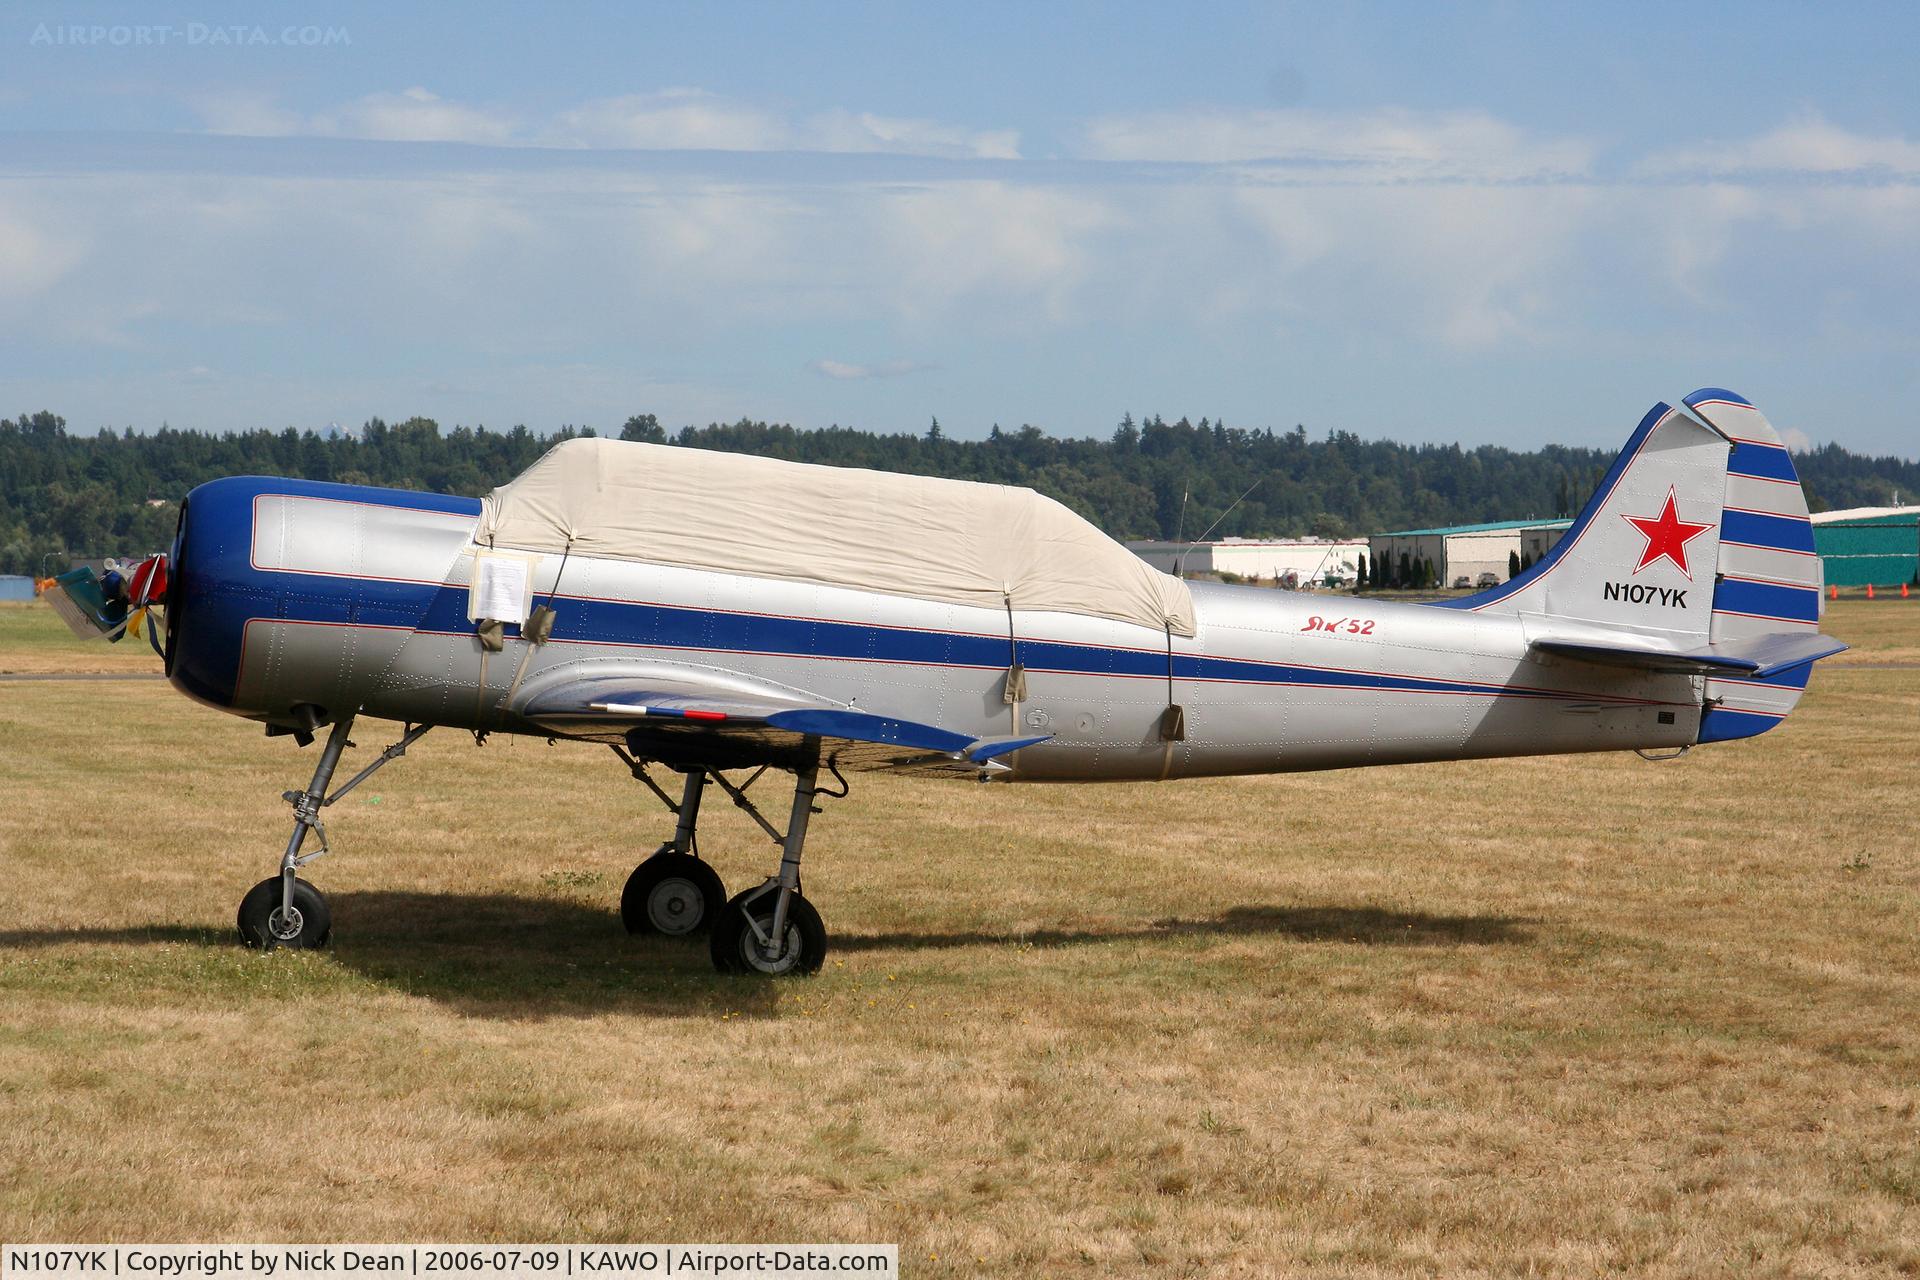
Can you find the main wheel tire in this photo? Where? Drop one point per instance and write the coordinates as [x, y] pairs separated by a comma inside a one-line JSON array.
[[736, 948], [672, 894], [261, 924]]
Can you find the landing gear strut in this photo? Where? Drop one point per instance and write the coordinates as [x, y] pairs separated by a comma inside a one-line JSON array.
[[771, 929], [768, 929], [673, 893], [284, 910]]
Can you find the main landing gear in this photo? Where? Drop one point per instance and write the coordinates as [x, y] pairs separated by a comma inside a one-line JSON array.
[[673, 893], [771, 928], [284, 910]]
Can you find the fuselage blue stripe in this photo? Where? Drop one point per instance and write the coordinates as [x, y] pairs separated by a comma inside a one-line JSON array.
[[1767, 599], [441, 609], [1775, 533]]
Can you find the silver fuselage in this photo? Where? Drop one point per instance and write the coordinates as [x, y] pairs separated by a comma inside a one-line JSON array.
[[304, 594]]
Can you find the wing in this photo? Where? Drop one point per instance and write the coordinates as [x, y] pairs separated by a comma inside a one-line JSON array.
[[681, 714]]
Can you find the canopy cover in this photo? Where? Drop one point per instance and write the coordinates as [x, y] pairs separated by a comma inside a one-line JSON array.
[[950, 540]]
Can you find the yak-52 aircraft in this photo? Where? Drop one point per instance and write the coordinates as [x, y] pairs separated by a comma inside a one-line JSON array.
[[717, 615]]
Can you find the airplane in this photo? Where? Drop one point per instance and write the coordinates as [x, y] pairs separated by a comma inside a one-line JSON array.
[[722, 617]]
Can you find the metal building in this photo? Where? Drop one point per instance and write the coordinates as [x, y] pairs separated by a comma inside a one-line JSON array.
[[1458, 551], [1878, 546], [1305, 560], [1537, 540]]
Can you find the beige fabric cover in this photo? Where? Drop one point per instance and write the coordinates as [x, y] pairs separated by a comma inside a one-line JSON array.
[[950, 540]]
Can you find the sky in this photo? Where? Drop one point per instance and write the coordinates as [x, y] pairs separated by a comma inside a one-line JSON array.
[[1500, 223]]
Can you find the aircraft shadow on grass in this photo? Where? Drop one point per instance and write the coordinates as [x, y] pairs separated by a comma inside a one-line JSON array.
[[1369, 926], [507, 956]]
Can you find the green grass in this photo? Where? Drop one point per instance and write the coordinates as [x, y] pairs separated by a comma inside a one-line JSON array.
[[1559, 1016], [34, 640]]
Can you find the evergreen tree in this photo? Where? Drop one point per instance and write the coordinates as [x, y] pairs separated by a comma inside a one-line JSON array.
[[644, 427], [1513, 565], [62, 494]]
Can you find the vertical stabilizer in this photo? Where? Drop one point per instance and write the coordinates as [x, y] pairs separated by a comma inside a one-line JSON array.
[[1640, 556], [1697, 541]]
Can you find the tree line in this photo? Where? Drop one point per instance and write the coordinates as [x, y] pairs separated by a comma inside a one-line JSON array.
[[65, 495]]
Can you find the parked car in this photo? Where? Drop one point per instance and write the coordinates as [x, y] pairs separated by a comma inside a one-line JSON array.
[[1461, 582], [1488, 579]]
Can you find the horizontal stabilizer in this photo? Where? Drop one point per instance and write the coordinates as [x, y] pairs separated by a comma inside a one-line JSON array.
[[1755, 658]]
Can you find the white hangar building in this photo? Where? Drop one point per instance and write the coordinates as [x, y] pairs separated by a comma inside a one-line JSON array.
[[1463, 550], [1310, 560]]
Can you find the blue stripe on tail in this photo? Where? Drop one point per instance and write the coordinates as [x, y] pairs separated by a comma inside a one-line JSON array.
[[1762, 462], [1767, 600], [1723, 724], [1773, 533]]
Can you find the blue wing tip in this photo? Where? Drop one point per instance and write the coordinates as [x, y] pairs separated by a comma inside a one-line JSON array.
[[1705, 394]]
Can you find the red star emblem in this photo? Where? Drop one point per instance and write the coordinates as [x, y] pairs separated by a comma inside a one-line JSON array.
[[1667, 536]]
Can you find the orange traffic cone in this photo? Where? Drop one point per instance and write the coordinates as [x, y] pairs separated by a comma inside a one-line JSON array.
[[1833, 593], [1903, 591], [1869, 591]]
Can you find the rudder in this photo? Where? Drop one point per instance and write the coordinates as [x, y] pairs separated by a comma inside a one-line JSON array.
[[1770, 577]]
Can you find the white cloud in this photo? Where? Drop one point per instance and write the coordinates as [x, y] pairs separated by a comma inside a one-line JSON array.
[[695, 120], [864, 131], [35, 252], [1382, 144], [1460, 266], [675, 119], [1031, 248], [1395, 239], [416, 115], [846, 372], [1808, 145], [412, 115], [671, 120], [248, 113]]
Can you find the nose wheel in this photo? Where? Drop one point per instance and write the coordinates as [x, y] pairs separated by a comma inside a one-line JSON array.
[[284, 910]]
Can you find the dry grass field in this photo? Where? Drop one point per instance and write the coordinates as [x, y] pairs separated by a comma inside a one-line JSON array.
[[1547, 1017]]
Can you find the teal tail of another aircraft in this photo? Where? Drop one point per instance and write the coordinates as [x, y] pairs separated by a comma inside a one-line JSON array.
[[1695, 554]]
